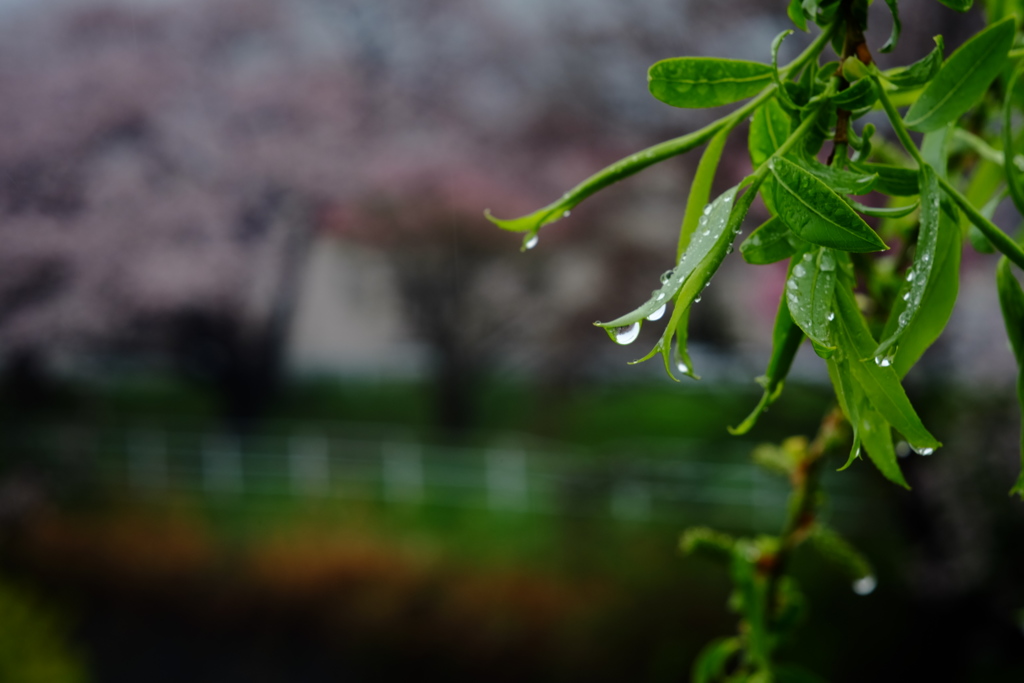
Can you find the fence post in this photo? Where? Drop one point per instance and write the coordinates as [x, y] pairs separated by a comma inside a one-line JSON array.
[[507, 484], [403, 472], [222, 464], [309, 465]]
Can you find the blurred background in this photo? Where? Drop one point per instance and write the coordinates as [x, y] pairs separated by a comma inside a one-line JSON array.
[[278, 404]]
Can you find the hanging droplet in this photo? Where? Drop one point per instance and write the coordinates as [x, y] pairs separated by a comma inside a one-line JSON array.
[[922, 451], [902, 449], [627, 334], [728, 249], [678, 362], [531, 241], [865, 585], [566, 213], [658, 313], [882, 362], [696, 299]]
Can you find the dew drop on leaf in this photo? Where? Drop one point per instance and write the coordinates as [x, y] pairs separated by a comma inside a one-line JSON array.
[[865, 585], [799, 271], [627, 334], [707, 210], [531, 241], [922, 451], [831, 316], [657, 315], [666, 276]]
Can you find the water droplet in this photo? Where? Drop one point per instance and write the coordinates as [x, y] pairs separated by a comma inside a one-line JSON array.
[[807, 256], [658, 313], [661, 295], [910, 276], [707, 210], [531, 241], [828, 261], [727, 199], [925, 258], [922, 451], [865, 585], [696, 299], [666, 276], [678, 362], [791, 283], [739, 232], [902, 449], [728, 249], [883, 362], [706, 232], [799, 271], [627, 334], [831, 316], [707, 284], [566, 213], [906, 297], [904, 318]]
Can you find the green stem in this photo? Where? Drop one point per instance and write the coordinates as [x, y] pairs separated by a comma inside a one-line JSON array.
[[652, 155], [999, 239]]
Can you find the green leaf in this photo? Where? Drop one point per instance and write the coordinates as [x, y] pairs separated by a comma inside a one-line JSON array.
[[840, 180], [796, 14], [809, 290], [770, 242], [920, 72], [896, 27], [875, 376], [837, 550], [783, 94], [1012, 181], [876, 435], [1011, 301], [858, 96], [712, 660], [963, 79], [936, 303], [885, 211], [700, 189], [925, 258], [816, 213], [894, 181], [958, 5], [769, 128], [710, 230], [848, 394], [786, 338], [697, 82]]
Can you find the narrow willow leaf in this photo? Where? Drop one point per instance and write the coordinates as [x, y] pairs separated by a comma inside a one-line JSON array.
[[769, 128], [858, 96], [875, 376], [936, 304], [963, 79], [896, 27], [836, 549], [796, 14], [1012, 181], [920, 72], [848, 394], [840, 180], [958, 5], [885, 211], [783, 93], [711, 663], [697, 82], [925, 256], [786, 338], [700, 189], [876, 436], [1011, 301], [710, 230], [623, 168], [809, 296], [894, 181], [772, 241], [816, 213]]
